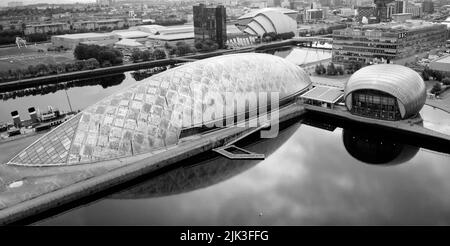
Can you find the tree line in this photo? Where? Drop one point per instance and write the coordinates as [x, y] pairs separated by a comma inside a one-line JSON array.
[[147, 55], [440, 77], [331, 69], [106, 56]]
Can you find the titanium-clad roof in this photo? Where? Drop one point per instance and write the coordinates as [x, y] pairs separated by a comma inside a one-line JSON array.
[[399, 81], [150, 114], [270, 21]]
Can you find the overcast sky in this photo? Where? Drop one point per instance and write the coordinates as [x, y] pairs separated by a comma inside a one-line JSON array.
[[5, 2]]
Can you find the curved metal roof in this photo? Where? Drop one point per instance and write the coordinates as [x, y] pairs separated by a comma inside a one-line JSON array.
[[399, 81], [265, 22], [271, 21], [150, 114]]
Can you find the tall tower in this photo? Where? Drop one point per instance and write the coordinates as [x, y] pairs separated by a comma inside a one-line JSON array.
[[381, 10], [210, 23]]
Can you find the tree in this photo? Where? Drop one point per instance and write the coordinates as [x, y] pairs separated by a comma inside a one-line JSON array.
[[198, 45], [446, 81], [136, 55], [436, 89], [318, 70], [32, 70], [331, 70], [425, 74], [80, 52], [69, 67], [146, 55], [79, 65], [438, 75], [42, 69], [52, 69], [159, 54], [92, 63], [182, 48], [340, 70], [60, 68]]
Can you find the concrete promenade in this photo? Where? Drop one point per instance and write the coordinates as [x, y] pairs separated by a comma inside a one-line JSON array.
[[44, 188]]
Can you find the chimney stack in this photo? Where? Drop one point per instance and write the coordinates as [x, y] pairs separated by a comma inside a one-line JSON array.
[[16, 119], [33, 115]]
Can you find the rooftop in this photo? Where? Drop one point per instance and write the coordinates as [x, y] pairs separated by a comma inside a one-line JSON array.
[[256, 12], [445, 59], [324, 94], [85, 35], [131, 34], [408, 25], [175, 36]]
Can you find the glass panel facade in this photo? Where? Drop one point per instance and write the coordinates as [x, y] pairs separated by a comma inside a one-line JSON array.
[[375, 104]]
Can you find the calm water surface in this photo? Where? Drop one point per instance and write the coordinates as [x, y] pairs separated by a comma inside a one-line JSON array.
[[309, 179]]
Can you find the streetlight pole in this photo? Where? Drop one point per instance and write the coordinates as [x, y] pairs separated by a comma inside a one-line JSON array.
[[68, 100]]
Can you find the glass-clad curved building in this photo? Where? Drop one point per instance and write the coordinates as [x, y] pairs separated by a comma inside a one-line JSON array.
[[149, 115], [385, 91]]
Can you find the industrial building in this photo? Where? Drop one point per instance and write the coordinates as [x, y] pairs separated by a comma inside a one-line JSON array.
[[368, 12], [70, 41], [130, 34], [171, 35], [385, 42], [46, 28], [385, 91]]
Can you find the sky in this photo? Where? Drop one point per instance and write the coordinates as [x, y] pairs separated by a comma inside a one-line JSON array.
[[5, 2]]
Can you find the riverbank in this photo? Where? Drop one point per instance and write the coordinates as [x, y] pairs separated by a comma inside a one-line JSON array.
[[17, 84]]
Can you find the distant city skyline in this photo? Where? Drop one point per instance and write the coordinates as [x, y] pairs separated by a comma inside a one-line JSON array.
[[27, 2]]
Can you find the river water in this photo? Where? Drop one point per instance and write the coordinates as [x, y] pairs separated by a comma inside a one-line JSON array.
[[313, 177], [310, 176]]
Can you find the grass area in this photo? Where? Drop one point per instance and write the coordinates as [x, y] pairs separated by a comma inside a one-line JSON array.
[[14, 58], [14, 51]]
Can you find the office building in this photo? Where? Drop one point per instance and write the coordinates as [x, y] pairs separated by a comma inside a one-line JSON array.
[[365, 11], [385, 42], [210, 24]]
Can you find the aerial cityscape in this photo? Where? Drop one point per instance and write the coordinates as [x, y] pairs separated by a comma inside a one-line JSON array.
[[225, 112]]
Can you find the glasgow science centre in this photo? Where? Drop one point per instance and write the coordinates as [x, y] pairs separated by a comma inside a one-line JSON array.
[[174, 115]]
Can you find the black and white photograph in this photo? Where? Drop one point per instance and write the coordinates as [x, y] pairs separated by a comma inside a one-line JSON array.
[[225, 113]]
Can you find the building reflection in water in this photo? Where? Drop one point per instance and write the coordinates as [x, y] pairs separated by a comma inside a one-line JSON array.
[[369, 147], [376, 148], [209, 171]]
